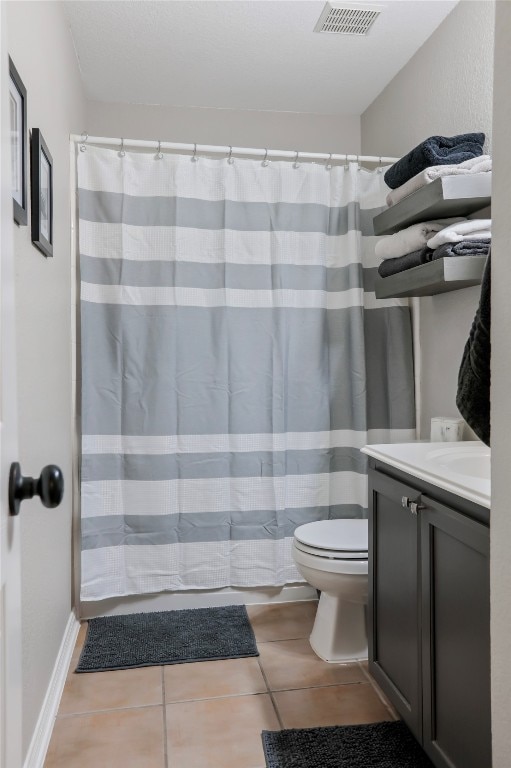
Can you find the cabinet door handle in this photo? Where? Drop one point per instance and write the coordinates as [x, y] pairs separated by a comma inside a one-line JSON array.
[[415, 507], [405, 501]]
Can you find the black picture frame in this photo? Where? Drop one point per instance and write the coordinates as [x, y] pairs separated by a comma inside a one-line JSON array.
[[41, 189], [18, 114]]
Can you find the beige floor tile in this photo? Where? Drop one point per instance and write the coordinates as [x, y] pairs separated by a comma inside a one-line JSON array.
[[209, 679], [132, 738], [219, 733], [394, 713], [80, 640], [91, 691], [82, 632], [282, 621], [293, 664], [337, 705]]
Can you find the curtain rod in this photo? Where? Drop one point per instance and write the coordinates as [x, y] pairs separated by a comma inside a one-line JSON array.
[[208, 149]]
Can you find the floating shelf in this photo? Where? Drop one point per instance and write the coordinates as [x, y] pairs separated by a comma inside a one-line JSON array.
[[439, 276], [443, 198]]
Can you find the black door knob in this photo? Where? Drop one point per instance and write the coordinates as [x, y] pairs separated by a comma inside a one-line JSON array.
[[49, 486]]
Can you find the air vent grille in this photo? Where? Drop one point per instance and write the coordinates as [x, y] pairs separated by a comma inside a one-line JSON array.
[[347, 19]]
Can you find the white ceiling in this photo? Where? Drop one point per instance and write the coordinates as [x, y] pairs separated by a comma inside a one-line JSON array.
[[239, 54]]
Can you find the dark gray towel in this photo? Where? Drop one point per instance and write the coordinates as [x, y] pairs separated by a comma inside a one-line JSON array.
[[399, 264], [437, 150], [463, 248], [473, 398]]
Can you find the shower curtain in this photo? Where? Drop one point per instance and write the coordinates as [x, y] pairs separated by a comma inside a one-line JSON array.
[[234, 360]]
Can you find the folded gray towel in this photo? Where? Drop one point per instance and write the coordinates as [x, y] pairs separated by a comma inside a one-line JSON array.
[[437, 150], [463, 248], [401, 263], [473, 397]]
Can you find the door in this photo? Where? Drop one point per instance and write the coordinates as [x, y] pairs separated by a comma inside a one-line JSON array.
[[393, 609], [10, 594], [455, 637]]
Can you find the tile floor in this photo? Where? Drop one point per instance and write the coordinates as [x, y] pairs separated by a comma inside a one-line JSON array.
[[211, 714]]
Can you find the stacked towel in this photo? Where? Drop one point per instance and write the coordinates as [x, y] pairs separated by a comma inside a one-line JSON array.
[[411, 239], [463, 248], [467, 229], [415, 259], [475, 165], [473, 397], [437, 150], [424, 255]]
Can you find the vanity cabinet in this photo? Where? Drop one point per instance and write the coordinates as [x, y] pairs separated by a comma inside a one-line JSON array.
[[429, 614]]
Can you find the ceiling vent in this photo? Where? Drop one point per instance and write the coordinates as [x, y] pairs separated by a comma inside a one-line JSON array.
[[348, 18]]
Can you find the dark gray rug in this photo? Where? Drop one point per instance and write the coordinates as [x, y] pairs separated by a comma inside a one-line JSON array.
[[167, 637], [379, 745]]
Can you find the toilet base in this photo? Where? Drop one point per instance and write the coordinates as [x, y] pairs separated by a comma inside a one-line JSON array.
[[340, 631]]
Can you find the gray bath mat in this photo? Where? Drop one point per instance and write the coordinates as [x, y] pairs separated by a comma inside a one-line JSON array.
[[167, 637], [379, 745]]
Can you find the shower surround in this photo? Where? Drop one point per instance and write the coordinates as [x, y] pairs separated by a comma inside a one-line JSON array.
[[234, 360]]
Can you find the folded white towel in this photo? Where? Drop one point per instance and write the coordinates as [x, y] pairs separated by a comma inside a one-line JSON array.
[[410, 239], [480, 164], [471, 229]]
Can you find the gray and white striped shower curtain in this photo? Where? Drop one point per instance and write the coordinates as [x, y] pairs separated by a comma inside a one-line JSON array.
[[234, 360]]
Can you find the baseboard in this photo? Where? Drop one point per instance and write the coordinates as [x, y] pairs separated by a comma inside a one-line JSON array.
[[42, 733], [168, 601]]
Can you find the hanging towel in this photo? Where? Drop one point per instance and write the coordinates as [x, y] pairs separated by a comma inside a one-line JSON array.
[[470, 229], [475, 165], [437, 150], [410, 239], [464, 248], [415, 259], [473, 398]]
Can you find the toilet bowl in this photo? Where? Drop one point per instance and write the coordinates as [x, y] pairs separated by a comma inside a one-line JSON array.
[[332, 556]]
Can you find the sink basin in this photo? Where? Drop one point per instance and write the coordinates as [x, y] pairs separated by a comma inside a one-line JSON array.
[[462, 468], [469, 462]]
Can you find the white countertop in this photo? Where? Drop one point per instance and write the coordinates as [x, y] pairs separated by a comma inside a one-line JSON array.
[[462, 468]]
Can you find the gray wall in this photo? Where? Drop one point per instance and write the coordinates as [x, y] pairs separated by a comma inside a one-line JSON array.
[[500, 535], [242, 128], [41, 47], [446, 88]]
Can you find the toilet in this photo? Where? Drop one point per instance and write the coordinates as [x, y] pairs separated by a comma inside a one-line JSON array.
[[332, 556]]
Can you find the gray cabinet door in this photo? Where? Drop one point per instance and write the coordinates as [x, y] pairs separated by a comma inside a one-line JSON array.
[[393, 609], [455, 637]]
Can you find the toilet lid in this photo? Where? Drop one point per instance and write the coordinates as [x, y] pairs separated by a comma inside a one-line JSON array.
[[334, 535]]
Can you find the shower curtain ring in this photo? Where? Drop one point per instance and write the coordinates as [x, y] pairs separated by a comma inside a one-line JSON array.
[[296, 164], [159, 154], [121, 151], [346, 164], [328, 165], [85, 136], [358, 163], [265, 162], [194, 157], [230, 159], [380, 167]]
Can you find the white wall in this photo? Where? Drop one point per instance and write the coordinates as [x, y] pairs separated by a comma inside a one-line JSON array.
[[41, 47], [500, 535], [243, 128], [446, 88]]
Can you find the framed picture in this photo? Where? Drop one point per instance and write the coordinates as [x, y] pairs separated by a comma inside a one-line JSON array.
[[18, 128], [41, 184]]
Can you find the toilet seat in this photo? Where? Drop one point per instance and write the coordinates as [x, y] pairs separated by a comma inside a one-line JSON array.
[[338, 565], [319, 539], [331, 554]]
